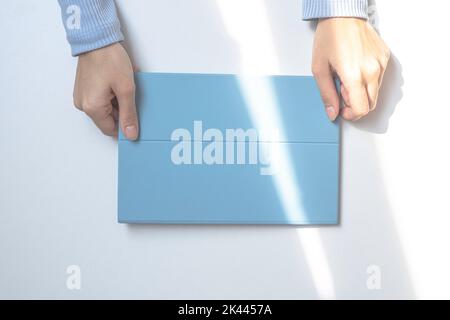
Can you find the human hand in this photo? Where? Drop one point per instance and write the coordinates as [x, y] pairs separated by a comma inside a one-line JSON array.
[[105, 90], [351, 49]]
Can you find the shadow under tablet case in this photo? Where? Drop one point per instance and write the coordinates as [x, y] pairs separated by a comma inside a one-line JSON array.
[[229, 149]]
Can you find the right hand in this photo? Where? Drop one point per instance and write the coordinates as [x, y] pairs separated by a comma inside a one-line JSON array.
[[105, 90], [352, 50]]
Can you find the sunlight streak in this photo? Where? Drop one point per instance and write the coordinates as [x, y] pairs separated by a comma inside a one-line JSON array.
[[247, 23]]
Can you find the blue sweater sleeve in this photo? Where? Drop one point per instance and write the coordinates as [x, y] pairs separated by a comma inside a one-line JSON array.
[[313, 9], [93, 24], [90, 24]]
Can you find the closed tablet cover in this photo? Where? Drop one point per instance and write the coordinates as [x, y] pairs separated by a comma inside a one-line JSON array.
[[229, 149]]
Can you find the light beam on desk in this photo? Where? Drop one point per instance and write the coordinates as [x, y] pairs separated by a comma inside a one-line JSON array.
[[247, 23]]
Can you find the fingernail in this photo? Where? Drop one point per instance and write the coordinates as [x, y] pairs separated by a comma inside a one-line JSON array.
[[131, 132], [331, 114]]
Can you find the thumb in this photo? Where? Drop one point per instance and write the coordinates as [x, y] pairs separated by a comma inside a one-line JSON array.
[[325, 82], [128, 119]]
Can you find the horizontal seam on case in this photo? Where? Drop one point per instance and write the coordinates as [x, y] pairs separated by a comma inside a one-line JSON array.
[[258, 141]]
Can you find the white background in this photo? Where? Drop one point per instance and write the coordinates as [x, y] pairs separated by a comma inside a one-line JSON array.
[[58, 174]]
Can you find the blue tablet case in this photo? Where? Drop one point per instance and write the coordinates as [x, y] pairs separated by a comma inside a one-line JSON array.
[[229, 149]]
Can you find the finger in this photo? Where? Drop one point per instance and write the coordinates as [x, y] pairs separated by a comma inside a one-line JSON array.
[[347, 113], [115, 109], [372, 94], [102, 117], [355, 98], [374, 84], [77, 104], [328, 92], [125, 95]]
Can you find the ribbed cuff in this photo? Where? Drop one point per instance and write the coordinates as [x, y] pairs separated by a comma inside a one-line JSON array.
[[90, 24], [314, 9], [95, 39]]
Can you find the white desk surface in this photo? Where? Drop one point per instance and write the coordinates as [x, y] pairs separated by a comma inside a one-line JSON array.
[[58, 173]]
